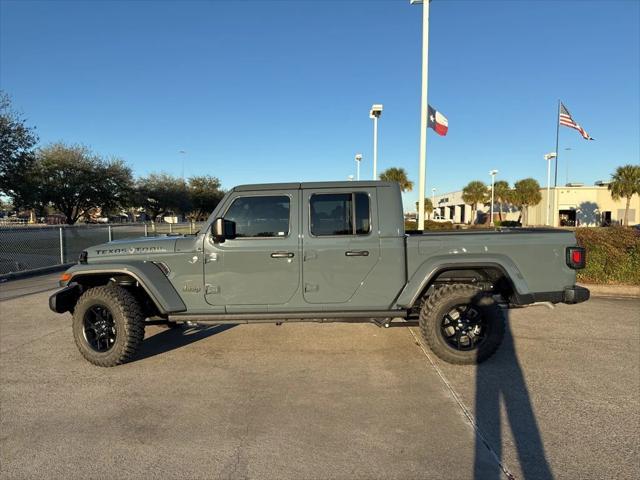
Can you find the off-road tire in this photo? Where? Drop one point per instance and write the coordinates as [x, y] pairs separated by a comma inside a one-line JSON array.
[[440, 302], [127, 317]]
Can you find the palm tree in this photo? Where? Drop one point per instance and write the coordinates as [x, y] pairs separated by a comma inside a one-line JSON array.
[[501, 195], [624, 183], [428, 207], [526, 193], [475, 192], [399, 175]]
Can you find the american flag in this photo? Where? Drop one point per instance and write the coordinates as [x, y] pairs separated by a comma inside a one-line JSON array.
[[566, 120]]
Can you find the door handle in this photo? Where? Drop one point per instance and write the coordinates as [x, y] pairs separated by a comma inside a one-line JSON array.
[[282, 255], [356, 253]]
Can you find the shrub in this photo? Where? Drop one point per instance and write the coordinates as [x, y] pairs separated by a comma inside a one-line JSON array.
[[613, 255], [507, 223], [429, 225]]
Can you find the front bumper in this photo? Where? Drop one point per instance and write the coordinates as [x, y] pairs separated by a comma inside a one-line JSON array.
[[64, 300]]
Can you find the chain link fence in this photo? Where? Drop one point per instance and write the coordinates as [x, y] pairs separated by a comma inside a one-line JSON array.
[[33, 247]]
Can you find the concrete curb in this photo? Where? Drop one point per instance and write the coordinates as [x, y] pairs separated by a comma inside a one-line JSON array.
[[626, 291], [5, 277]]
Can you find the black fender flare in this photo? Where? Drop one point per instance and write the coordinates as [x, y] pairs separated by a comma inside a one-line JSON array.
[[147, 274]]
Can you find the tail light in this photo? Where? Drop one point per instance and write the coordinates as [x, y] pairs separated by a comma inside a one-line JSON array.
[[576, 257]]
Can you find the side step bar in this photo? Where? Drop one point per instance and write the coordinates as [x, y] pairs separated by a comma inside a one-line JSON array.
[[276, 317]]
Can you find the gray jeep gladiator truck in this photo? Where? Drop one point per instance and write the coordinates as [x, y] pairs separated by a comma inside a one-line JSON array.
[[331, 251]]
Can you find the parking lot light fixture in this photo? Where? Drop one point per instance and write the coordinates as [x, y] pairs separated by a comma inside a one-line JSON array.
[[493, 174], [374, 114], [548, 157], [358, 160]]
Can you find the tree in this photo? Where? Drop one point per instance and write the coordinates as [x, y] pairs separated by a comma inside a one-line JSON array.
[[161, 193], [501, 195], [526, 193], [475, 192], [399, 175], [625, 182], [205, 193], [428, 206], [17, 156], [74, 180]]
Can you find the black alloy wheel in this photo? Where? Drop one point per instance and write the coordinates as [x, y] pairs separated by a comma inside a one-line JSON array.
[[99, 328], [463, 327]]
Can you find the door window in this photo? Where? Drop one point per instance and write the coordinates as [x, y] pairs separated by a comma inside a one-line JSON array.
[[260, 217], [340, 214]]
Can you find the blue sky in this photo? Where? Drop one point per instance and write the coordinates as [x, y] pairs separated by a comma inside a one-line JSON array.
[[268, 91]]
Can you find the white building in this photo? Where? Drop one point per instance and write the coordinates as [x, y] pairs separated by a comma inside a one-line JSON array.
[[570, 205]]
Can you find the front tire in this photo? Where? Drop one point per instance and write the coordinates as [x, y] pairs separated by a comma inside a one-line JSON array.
[[462, 324], [108, 325]]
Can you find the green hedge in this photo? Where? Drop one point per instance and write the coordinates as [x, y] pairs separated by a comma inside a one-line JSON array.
[[430, 225], [613, 255]]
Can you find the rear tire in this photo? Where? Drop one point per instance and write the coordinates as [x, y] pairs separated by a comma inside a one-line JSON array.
[[462, 324], [108, 325]]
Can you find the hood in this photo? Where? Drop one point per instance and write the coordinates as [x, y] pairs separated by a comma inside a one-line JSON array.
[[131, 247]]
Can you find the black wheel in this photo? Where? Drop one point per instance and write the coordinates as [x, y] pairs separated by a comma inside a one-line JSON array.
[[462, 324], [108, 325]]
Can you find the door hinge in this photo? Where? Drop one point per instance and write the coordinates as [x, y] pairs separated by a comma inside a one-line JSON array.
[[211, 289]]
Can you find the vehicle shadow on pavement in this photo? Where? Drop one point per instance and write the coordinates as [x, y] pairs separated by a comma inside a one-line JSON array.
[[500, 383], [174, 338]]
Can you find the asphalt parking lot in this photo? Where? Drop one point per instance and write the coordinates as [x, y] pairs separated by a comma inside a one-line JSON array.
[[561, 399]]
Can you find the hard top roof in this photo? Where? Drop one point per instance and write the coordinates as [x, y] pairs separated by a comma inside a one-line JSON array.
[[296, 186]]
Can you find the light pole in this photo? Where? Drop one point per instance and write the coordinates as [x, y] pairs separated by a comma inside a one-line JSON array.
[[433, 198], [374, 114], [358, 160], [548, 157], [568, 149], [423, 109], [493, 182], [182, 154]]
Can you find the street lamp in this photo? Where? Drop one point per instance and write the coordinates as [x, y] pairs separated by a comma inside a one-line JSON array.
[[433, 198], [374, 114], [548, 157], [493, 174], [423, 109], [568, 149], [182, 154], [358, 160]]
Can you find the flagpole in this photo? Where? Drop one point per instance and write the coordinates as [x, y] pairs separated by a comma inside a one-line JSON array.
[[423, 112], [555, 178]]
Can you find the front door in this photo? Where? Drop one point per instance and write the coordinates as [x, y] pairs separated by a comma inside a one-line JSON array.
[[340, 245], [261, 266]]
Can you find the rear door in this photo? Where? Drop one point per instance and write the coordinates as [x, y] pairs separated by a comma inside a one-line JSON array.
[[340, 246], [261, 267]]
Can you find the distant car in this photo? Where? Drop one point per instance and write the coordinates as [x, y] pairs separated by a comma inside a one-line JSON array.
[[439, 218]]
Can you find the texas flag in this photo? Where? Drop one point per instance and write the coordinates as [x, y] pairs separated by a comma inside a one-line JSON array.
[[437, 121]]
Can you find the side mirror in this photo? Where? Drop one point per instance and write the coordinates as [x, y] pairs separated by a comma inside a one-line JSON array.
[[222, 230]]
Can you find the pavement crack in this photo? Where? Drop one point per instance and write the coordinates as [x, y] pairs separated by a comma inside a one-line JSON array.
[[18, 347], [471, 419]]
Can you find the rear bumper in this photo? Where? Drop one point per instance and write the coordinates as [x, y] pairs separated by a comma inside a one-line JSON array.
[[570, 295], [64, 300], [576, 294]]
